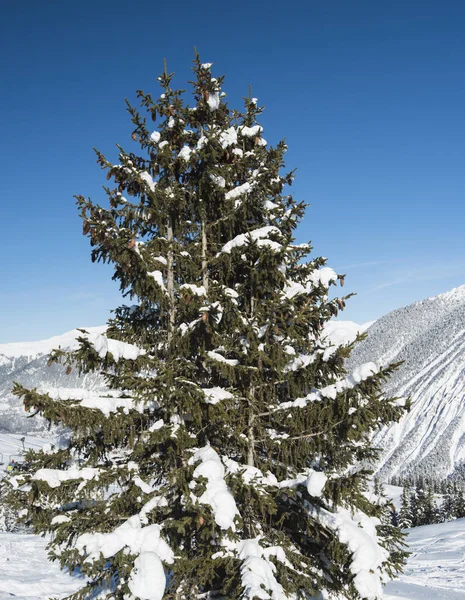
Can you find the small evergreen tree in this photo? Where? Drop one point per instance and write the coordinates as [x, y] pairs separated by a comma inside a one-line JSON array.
[[458, 509], [225, 460], [447, 506], [405, 513]]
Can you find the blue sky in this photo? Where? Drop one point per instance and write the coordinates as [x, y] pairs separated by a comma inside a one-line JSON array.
[[369, 95]]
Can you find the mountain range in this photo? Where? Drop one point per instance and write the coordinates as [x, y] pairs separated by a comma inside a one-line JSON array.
[[429, 337], [26, 363]]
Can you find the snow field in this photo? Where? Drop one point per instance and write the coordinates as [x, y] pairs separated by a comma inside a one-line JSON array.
[[436, 568], [26, 573]]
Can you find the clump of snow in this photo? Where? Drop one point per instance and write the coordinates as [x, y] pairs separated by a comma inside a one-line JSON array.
[[59, 519], [250, 131], [55, 477], [197, 290], [258, 573], [147, 178], [228, 137], [185, 153], [216, 394], [238, 191], [340, 333], [161, 145], [117, 349], [66, 341], [203, 141], [217, 494], [213, 101], [158, 276], [246, 238], [296, 289], [218, 181], [323, 276], [300, 362], [107, 404], [232, 362], [358, 532], [315, 483], [155, 137], [359, 374], [147, 579]]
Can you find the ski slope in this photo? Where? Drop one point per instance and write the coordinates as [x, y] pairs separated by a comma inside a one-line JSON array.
[[11, 446], [436, 567], [26, 573]]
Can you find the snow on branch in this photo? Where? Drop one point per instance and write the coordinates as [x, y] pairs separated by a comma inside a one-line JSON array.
[[104, 345], [107, 402], [358, 532], [217, 494], [250, 131], [238, 191], [158, 277], [228, 137], [314, 481], [147, 579], [55, 477], [216, 394], [244, 239], [257, 571], [361, 373], [318, 277], [197, 290], [232, 362]]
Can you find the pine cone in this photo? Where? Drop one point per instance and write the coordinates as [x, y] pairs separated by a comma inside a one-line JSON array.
[[131, 244], [134, 136], [68, 370]]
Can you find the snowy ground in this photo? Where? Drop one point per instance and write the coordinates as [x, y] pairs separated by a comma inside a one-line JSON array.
[[435, 571], [436, 567], [26, 573]]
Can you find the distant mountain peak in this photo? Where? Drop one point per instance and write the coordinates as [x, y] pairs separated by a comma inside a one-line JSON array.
[[429, 337], [42, 347]]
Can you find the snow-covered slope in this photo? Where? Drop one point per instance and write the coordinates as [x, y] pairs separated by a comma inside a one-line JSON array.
[[429, 336], [436, 568], [26, 573], [26, 363]]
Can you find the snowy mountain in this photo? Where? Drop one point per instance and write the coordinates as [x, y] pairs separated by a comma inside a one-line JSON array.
[[26, 363], [429, 336]]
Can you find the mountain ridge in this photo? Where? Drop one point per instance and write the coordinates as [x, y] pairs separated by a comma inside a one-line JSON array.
[[429, 337]]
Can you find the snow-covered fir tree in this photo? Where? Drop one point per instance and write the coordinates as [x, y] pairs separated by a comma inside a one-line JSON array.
[[226, 459], [406, 518]]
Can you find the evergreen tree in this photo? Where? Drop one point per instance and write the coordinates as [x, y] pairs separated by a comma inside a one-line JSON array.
[[447, 506], [458, 510], [425, 511], [405, 513], [226, 458]]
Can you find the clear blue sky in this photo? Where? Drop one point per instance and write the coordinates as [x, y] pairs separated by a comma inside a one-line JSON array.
[[370, 96]]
